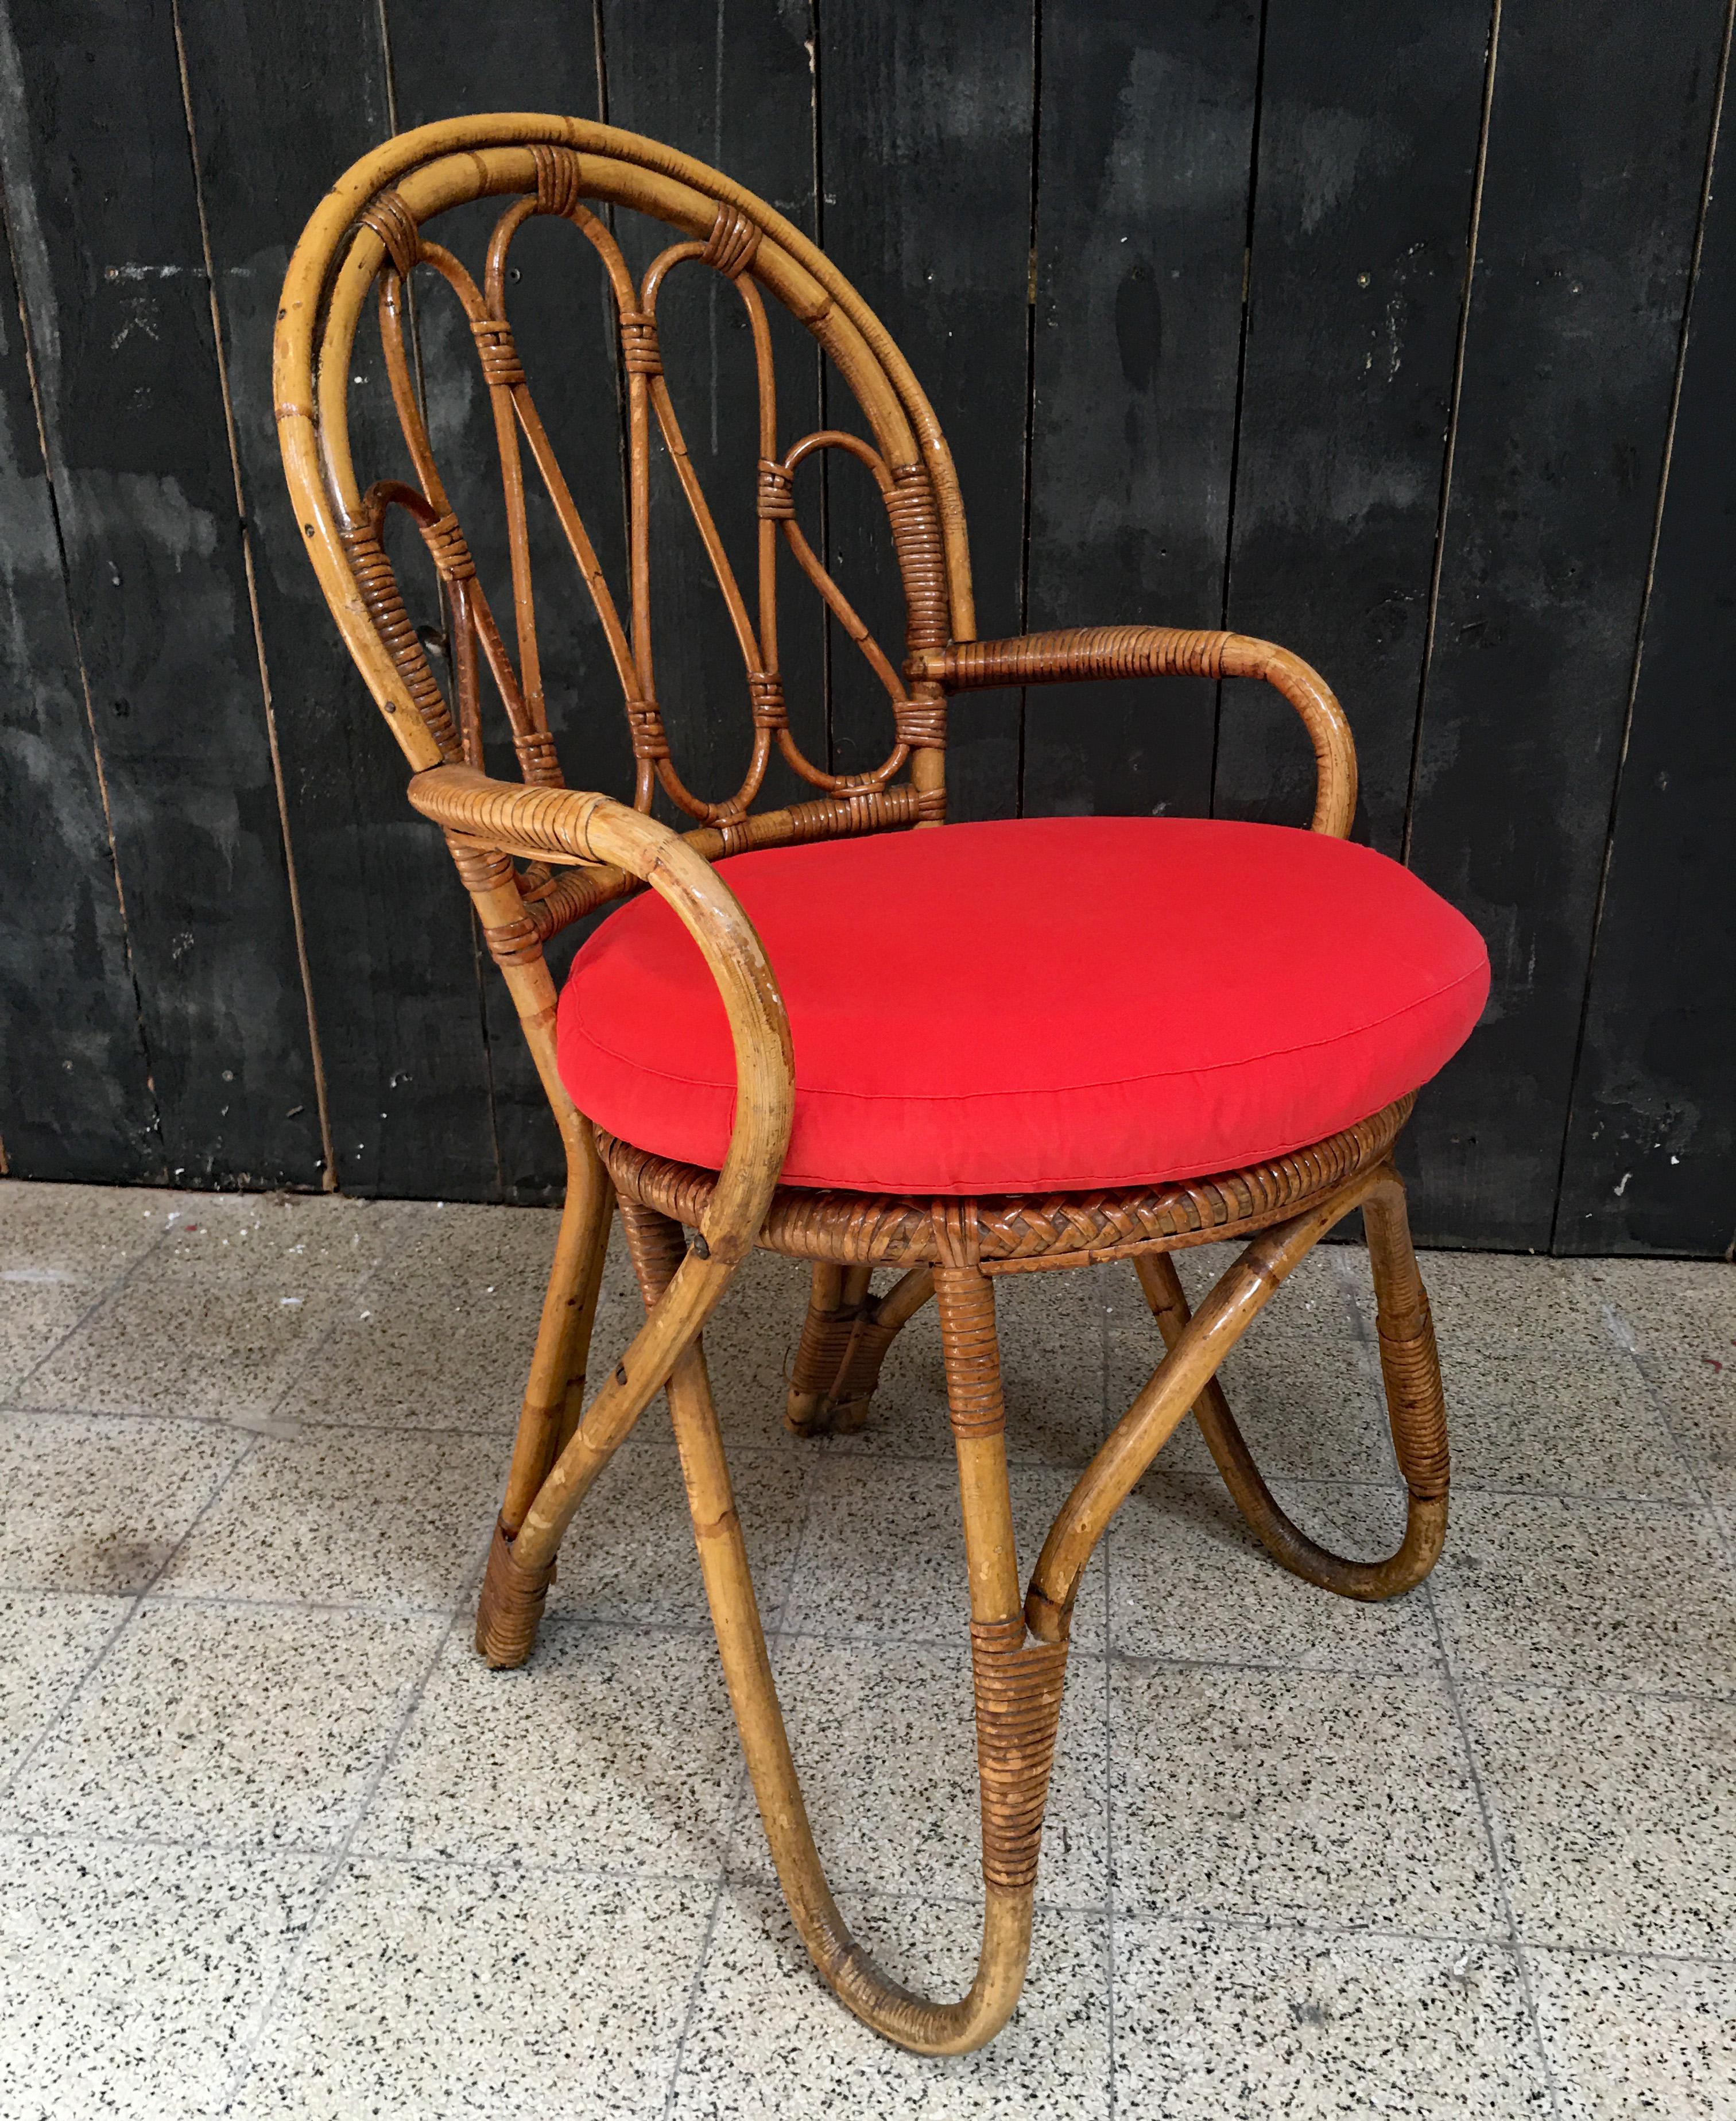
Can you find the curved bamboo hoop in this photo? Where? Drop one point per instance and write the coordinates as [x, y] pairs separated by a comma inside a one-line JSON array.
[[1415, 1409]]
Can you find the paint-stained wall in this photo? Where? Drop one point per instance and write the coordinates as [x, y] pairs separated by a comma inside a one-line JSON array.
[[1400, 334]]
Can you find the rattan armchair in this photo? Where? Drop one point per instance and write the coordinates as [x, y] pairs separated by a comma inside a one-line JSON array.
[[536, 856]]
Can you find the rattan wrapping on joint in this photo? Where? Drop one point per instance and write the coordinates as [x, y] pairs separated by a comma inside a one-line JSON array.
[[480, 868], [498, 351], [514, 942], [921, 724], [448, 547], [645, 729], [766, 690], [1090, 651], [731, 243], [557, 179], [775, 496], [971, 1356], [537, 761], [385, 606], [510, 1607], [1416, 1406], [1018, 1687], [921, 559], [655, 1247], [640, 352], [395, 225]]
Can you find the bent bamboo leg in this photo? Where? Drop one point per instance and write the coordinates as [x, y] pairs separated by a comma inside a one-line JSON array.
[[1018, 1685], [845, 1339], [510, 1606], [1241, 1292], [1415, 1408]]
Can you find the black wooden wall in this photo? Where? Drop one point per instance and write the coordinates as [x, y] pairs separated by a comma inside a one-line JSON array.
[[1401, 333]]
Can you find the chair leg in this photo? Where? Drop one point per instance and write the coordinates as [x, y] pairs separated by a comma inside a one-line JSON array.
[[510, 1606], [1414, 1404], [845, 1337], [1018, 1685]]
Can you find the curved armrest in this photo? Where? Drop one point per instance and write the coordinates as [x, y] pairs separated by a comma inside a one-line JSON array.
[[563, 824], [1165, 651]]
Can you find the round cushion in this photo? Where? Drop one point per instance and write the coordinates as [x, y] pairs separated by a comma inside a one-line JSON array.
[[1043, 1005]]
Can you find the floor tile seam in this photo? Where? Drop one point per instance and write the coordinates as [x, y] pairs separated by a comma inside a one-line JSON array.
[[695, 1988], [1712, 1962], [124, 1621], [289, 1978], [249, 1848], [1139, 1660], [1690, 1455], [1321, 1924], [372, 1608], [110, 1290], [354, 1292], [1543, 1689], [1495, 1840]]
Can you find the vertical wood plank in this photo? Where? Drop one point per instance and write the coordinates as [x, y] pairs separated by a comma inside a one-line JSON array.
[[76, 1100], [1146, 133], [731, 82], [925, 156], [137, 447], [284, 96], [532, 58], [1597, 145], [1651, 1149], [1370, 116]]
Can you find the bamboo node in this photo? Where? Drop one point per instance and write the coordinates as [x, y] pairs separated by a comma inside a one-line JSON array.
[[557, 179], [395, 225], [640, 352], [734, 239]]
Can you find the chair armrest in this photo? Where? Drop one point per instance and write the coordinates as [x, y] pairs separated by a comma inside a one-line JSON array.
[[563, 824], [1165, 651]]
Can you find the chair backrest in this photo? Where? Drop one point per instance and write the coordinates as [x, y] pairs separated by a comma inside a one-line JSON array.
[[367, 236]]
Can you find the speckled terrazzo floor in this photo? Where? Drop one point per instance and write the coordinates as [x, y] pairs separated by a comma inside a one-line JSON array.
[[273, 1843]]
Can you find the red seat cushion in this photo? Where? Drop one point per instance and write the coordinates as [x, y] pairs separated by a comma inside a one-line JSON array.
[[1042, 1004]]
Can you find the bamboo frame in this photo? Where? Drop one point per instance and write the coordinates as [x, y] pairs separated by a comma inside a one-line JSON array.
[[535, 857]]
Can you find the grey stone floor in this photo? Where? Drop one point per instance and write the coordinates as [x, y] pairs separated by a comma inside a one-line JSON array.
[[273, 1843]]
